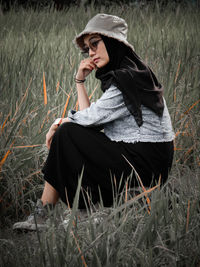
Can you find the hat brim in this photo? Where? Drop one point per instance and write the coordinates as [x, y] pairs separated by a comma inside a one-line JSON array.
[[79, 39]]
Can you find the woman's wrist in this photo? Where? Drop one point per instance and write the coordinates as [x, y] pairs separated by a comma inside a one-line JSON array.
[[79, 80]]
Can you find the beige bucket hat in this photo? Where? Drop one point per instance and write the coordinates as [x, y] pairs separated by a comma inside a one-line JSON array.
[[108, 25]]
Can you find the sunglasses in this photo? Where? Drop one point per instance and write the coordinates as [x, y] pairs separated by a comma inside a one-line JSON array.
[[93, 45]]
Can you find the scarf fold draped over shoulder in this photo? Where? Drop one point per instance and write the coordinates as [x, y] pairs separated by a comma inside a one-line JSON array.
[[136, 81]]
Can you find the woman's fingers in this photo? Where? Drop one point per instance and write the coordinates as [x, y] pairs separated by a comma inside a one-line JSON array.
[[53, 129], [85, 68], [87, 65], [48, 143], [50, 135], [48, 140], [87, 61]]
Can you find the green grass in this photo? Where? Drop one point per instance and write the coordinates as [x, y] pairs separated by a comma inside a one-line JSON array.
[[35, 42]]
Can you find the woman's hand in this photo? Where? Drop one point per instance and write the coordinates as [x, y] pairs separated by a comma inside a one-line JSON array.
[[85, 68], [53, 129], [50, 134]]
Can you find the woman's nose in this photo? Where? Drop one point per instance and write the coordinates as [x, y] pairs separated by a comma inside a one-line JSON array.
[[91, 52]]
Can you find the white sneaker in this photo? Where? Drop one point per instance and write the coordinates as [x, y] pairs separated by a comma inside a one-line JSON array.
[[35, 221]]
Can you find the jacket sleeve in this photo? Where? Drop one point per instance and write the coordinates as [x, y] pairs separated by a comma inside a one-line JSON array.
[[110, 106]]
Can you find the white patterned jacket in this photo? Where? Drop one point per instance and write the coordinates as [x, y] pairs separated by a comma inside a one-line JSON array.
[[111, 112]]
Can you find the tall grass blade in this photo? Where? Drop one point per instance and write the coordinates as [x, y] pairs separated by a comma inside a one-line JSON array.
[[188, 215], [45, 90], [57, 86], [141, 184], [5, 156], [82, 257], [4, 123], [66, 105]]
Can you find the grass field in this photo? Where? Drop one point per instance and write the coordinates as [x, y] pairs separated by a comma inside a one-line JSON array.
[[37, 64]]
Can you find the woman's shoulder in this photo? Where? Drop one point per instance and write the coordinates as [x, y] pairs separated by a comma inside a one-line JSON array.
[[112, 91], [111, 97]]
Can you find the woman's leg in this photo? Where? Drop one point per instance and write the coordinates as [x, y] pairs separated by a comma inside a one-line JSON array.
[[37, 219], [49, 195], [74, 146]]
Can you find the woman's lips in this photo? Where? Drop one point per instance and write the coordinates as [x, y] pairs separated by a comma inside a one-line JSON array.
[[96, 60]]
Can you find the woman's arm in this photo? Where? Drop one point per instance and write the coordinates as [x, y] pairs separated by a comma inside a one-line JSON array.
[[83, 99], [109, 107], [85, 68]]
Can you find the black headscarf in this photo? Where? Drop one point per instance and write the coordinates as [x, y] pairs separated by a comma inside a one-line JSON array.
[[136, 81]]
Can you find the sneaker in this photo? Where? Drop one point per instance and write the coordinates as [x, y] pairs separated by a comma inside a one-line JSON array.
[[82, 217], [36, 220]]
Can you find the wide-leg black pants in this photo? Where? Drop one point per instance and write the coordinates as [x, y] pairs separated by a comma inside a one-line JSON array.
[[74, 146]]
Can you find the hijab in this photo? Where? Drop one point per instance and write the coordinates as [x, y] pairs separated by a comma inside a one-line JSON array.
[[136, 81]]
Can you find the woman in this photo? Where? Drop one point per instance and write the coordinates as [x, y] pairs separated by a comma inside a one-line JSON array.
[[132, 111]]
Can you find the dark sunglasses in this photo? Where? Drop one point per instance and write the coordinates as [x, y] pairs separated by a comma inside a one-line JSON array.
[[93, 45]]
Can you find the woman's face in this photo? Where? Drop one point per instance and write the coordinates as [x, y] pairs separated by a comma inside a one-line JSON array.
[[97, 50]]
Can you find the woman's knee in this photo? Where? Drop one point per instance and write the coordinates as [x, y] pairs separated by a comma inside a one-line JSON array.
[[67, 128]]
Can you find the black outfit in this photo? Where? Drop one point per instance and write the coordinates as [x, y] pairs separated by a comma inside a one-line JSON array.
[[74, 146]]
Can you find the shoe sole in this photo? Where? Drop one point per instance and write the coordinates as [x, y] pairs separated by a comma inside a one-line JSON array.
[[25, 227]]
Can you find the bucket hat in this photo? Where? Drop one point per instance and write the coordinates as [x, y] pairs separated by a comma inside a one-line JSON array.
[[108, 25]]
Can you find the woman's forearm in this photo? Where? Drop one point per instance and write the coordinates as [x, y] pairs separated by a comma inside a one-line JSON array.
[[83, 99], [85, 68]]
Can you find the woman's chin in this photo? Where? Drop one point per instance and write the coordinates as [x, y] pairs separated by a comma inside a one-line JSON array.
[[100, 65]]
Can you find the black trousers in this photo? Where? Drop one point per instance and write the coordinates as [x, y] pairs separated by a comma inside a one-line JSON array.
[[74, 146]]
